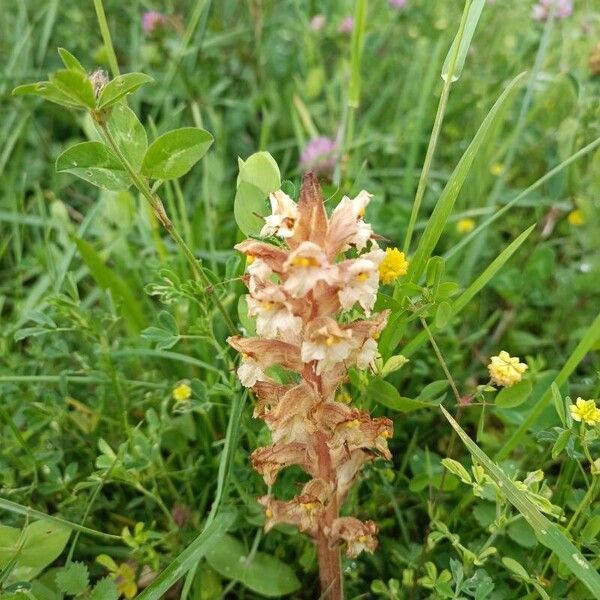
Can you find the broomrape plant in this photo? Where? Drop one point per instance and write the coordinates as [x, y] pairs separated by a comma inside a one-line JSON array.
[[306, 293]]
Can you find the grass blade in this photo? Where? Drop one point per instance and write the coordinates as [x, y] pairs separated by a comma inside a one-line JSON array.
[[190, 556], [358, 38], [534, 186], [476, 286], [591, 336], [475, 10], [546, 532], [437, 222]]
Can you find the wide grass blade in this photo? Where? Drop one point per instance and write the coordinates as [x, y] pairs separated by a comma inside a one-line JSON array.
[[437, 222], [587, 343], [190, 556], [480, 282], [546, 532]]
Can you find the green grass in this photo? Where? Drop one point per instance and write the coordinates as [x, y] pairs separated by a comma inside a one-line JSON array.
[[102, 314]]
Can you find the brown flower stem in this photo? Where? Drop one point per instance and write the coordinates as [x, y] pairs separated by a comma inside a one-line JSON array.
[[330, 568]]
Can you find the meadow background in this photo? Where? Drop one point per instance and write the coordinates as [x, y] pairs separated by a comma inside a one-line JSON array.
[[99, 321]]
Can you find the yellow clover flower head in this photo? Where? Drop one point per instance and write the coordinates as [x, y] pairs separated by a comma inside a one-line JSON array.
[[576, 217], [585, 411], [506, 370], [182, 392], [465, 225], [393, 265], [497, 169]]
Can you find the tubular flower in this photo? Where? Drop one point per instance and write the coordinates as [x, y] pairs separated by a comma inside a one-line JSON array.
[[297, 297], [506, 370], [585, 411]]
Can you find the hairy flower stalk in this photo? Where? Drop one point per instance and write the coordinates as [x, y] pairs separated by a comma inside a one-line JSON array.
[[314, 317]]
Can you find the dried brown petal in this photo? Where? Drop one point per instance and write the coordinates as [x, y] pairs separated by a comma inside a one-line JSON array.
[[358, 535], [269, 352], [269, 460], [312, 223]]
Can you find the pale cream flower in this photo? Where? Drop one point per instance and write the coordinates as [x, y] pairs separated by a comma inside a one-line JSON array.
[[274, 319], [352, 212], [305, 267], [361, 281], [282, 222], [506, 370], [326, 343], [258, 268], [367, 354], [250, 371]]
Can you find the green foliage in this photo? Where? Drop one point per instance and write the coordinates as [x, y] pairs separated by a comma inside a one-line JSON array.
[[103, 317], [174, 153], [95, 162], [258, 571], [73, 579]]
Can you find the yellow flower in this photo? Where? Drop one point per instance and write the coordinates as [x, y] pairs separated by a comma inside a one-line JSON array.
[[393, 265], [465, 225], [576, 217], [125, 580], [497, 169], [344, 397], [123, 575], [505, 369], [586, 411], [182, 392]]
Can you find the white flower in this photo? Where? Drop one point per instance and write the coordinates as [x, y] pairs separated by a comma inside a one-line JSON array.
[[355, 211], [282, 221], [250, 371], [305, 267], [273, 317], [328, 345], [258, 268], [361, 281], [367, 354]]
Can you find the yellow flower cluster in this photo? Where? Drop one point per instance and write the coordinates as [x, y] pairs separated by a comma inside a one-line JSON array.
[[465, 225], [585, 411], [393, 265], [182, 392], [506, 370], [576, 217]]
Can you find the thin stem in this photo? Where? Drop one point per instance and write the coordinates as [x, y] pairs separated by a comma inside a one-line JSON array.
[[106, 38], [435, 133], [161, 215]]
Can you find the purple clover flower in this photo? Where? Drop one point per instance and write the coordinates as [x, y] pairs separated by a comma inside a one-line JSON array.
[[346, 25], [562, 9], [152, 20], [318, 22], [319, 156]]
